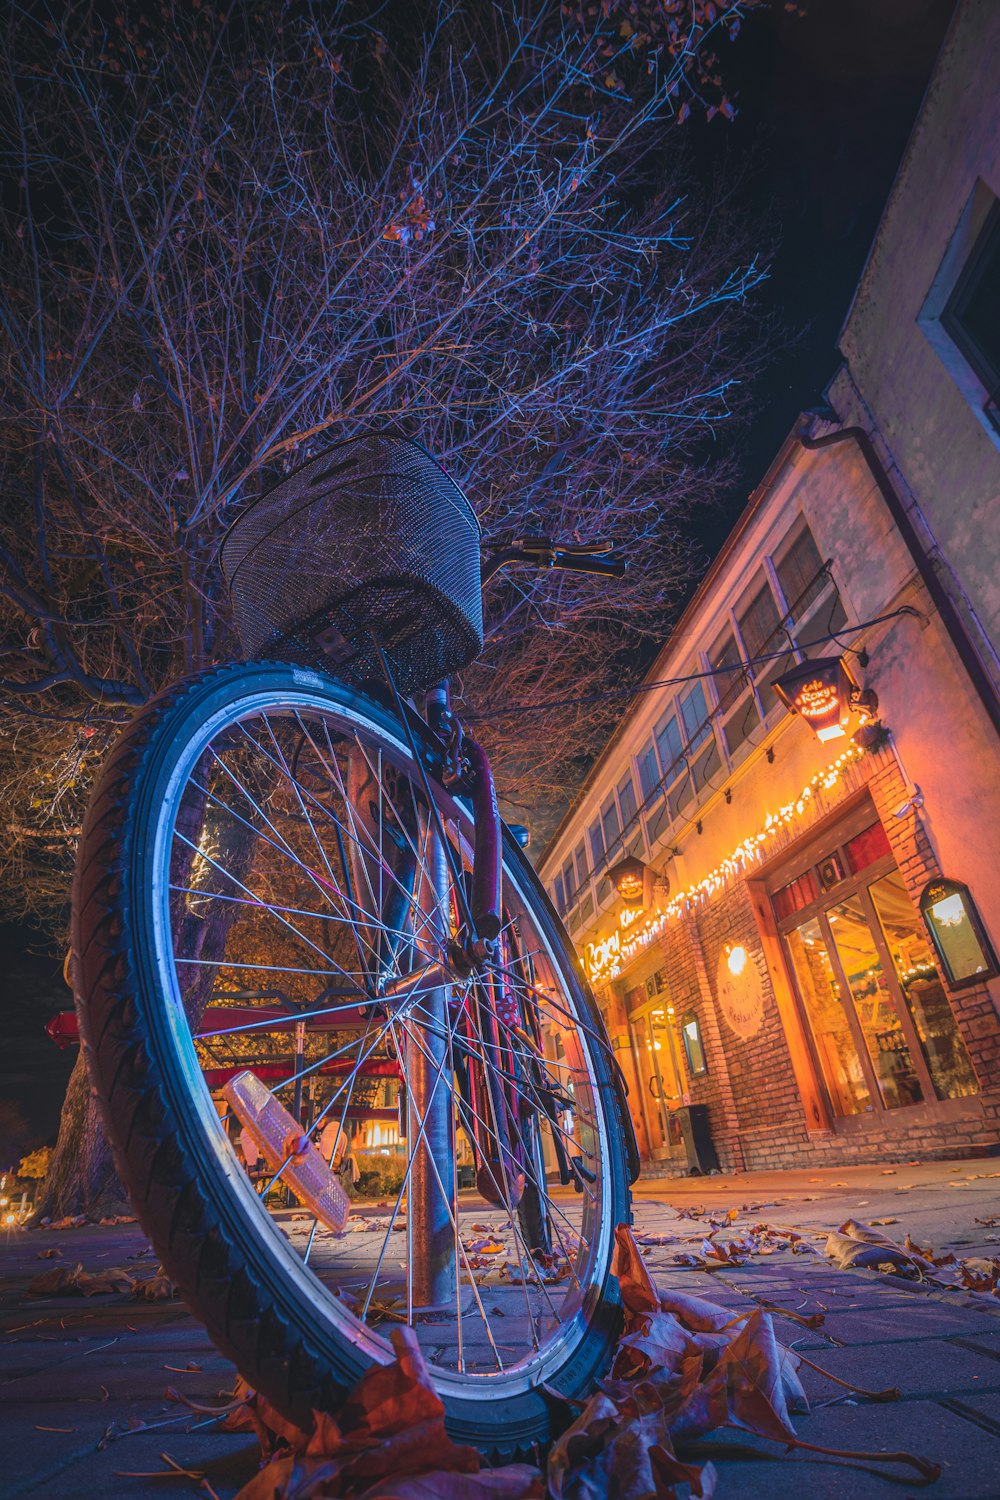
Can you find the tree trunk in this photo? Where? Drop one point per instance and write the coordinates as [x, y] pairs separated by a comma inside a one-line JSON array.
[[81, 1178]]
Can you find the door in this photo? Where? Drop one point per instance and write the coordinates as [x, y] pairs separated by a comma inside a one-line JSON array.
[[655, 1046]]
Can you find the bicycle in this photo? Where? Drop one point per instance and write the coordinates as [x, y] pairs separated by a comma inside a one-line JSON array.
[[285, 848]]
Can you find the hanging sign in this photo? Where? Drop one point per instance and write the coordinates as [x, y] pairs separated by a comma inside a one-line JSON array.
[[741, 992]]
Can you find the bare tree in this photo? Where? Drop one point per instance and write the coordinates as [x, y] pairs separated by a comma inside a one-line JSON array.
[[234, 241]]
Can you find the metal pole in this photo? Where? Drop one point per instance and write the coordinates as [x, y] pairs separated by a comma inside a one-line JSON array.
[[430, 1233], [300, 1052]]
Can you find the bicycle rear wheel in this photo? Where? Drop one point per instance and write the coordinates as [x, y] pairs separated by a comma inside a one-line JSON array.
[[266, 908]]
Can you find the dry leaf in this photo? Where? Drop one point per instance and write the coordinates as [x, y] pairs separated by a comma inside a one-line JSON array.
[[64, 1282], [639, 1295], [156, 1288]]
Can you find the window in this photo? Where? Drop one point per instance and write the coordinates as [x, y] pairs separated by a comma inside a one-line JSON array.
[[569, 881], [760, 624], [694, 712], [883, 1033], [631, 828], [694, 1049], [669, 745], [866, 847], [971, 316], [580, 855], [610, 825], [674, 765], [737, 722], [811, 595], [559, 894], [596, 837], [727, 662], [794, 896], [626, 800], [763, 632], [649, 770]]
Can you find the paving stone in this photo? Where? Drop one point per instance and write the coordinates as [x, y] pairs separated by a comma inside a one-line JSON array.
[[969, 1457], [227, 1460], [130, 1376], [878, 1325], [916, 1369], [928, 1345], [983, 1409], [986, 1343]]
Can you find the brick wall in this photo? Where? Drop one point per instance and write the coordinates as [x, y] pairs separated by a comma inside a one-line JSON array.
[[753, 1096]]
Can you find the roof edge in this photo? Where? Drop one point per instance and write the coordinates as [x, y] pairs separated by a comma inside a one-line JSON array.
[[755, 501]]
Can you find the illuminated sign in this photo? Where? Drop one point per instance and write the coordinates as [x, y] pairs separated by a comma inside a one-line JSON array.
[[628, 878], [602, 955], [957, 932], [822, 692], [628, 915]]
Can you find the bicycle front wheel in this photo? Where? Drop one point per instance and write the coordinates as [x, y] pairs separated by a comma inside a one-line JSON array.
[[267, 918]]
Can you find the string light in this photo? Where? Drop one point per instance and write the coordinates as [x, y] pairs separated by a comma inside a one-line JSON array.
[[606, 960]]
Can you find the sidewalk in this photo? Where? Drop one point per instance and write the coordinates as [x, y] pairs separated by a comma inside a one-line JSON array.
[[82, 1381]]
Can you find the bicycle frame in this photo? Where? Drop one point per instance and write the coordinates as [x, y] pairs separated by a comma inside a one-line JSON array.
[[496, 1106]]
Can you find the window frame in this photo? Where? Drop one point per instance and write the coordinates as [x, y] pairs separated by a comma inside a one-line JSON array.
[[985, 249]]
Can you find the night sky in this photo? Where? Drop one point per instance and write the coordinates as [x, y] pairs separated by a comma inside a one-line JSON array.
[[826, 102]]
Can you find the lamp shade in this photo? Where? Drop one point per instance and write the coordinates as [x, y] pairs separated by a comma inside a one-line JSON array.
[[627, 877], [820, 691]]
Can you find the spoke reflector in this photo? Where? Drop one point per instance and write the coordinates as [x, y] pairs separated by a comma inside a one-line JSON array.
[[279, 1137]]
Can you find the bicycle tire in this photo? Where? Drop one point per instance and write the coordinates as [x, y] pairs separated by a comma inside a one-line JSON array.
[[185, 1196]]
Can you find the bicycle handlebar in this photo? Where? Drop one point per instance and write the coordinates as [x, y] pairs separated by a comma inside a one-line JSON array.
[[573, 557]]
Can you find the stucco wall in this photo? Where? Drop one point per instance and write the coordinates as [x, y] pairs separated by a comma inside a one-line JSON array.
[[947, 458]]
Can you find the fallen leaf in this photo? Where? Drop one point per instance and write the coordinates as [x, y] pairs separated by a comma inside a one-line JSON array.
[[639, 1295], [158, 1288], [64, 1282]]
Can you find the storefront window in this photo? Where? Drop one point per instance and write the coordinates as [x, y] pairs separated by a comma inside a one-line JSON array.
[[947, 1060], [873, 1004], [882, 1026], [828, 1022], [694, 1050]]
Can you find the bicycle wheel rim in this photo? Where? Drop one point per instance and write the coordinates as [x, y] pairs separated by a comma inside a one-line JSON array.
[[193, 1107]]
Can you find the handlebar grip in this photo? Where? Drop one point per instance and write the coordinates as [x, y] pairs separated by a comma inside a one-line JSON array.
[[603, 567]]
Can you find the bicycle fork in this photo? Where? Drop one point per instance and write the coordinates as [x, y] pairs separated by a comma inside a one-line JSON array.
[[432, 1209]]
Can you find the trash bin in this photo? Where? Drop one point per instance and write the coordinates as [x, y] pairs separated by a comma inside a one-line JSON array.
[[698, 1143]]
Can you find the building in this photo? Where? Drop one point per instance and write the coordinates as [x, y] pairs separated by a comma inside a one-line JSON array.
[[774, 960], [921, 343]]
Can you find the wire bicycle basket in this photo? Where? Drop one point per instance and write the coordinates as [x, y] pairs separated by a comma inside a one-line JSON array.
[[369, 538]]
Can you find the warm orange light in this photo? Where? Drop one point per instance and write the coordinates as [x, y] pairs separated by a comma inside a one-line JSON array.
[[736, 959], [627, 878], [820, 692]]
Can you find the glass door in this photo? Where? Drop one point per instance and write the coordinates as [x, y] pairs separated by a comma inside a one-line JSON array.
[[660, 1073], [900, 1078], [834, 1039]]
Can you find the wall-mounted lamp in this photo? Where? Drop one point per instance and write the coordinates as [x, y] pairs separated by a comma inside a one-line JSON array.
[[736, 958], [957, 932], [824, 693], [628, 879]]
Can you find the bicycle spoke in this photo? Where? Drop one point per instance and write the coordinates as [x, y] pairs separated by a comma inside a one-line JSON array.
[[296, 807]]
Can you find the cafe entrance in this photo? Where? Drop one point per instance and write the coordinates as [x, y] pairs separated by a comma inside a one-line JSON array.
[[659, 1066], [881, 1026]]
